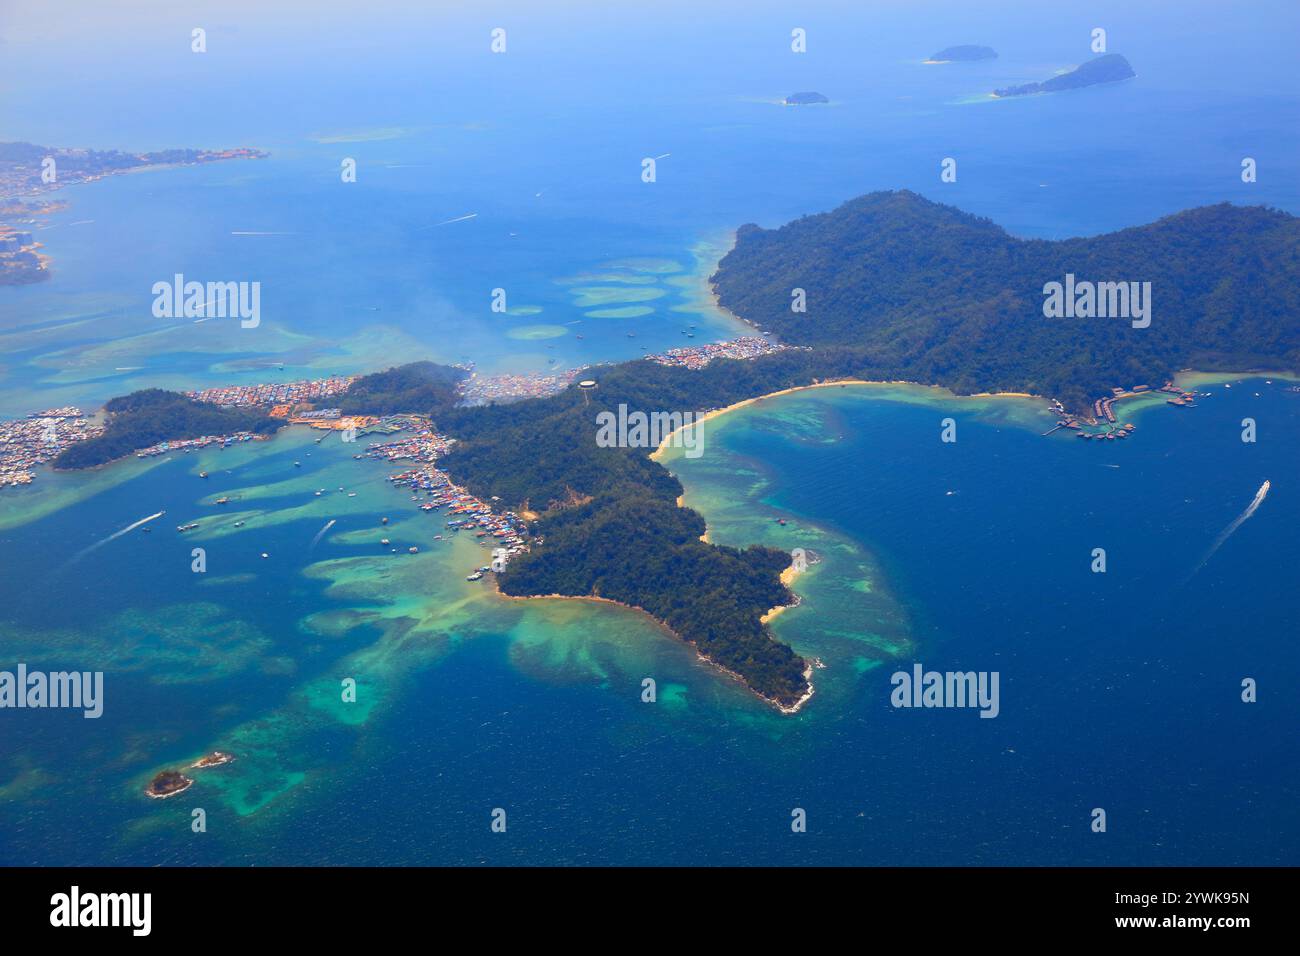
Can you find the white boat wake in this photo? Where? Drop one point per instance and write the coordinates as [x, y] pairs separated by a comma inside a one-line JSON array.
[[1236, 523], [114, 536], [321, 533]]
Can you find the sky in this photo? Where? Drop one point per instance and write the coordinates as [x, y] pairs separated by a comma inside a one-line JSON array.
[[114, 73]]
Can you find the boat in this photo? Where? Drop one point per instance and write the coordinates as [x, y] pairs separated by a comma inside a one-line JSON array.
[[297, 464], [223, 500], [413, 550], [203, 474], [475, 576], [383, 521], [352, 494]]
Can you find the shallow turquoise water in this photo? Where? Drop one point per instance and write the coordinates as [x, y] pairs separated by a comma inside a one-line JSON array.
[[1119, 690]]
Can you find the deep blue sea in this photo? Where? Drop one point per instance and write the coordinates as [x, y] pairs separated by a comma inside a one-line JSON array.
[[1119, 691]]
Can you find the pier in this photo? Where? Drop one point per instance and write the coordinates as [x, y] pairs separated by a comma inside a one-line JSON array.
[[1103, 412]]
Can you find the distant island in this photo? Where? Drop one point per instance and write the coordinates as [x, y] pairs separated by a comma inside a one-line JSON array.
[[168, 783], [1109, 68], [27, 169], [805, 99], [23, 165], [964, 54], [898, 288]]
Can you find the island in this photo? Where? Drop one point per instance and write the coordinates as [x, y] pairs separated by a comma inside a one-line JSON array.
[[152, 417], [1109, 68], [214, 759], [965, 53], [806, 98], [898, 288], [168, 784]]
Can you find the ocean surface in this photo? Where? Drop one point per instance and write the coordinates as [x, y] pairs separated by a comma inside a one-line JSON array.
[[1118, 690]]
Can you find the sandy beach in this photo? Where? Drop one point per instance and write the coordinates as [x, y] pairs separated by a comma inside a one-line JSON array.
[[703, 417], [787, 578]]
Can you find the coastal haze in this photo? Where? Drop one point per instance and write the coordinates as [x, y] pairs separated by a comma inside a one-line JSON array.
[[353, 275], [523, 172]]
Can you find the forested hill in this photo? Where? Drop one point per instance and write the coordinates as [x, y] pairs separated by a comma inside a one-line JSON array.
[[154, 415], [940, 296], [422, 386], [608, 524]]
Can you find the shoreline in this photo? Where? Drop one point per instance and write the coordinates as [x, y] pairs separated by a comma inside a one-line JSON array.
[[700, 655], [787, 575], [703, 417], [787, 578], [1191, 376]]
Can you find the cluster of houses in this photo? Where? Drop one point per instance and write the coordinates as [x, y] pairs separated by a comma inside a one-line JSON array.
[[698, 356], [504, 532], [280, 393], [189, 444], [28, 442], [1103, 412]]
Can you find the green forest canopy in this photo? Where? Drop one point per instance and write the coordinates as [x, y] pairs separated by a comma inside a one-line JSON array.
[[938, 296], [154, 415]]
